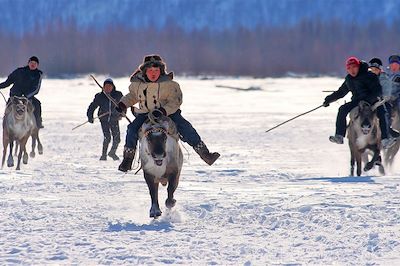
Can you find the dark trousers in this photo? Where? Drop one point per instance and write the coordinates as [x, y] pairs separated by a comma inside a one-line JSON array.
[[344, 110], [38, 110], [185, 129], [111, 128]]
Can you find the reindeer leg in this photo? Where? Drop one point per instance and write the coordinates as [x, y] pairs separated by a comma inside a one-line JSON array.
[[32, 154], [16, 148], [19, 158], [10, 160], [5, 146], [173, 181], [376, 158], [352, 161], [22, 148], [358, 161], [40, 147], [25, 156], [153, 189]]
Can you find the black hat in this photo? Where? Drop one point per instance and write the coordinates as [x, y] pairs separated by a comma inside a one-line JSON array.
[[375, 62], [34, 58], [153, 60], [108, 81]]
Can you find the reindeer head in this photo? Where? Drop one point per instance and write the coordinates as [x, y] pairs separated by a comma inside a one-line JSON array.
[[156, 137], [366, 116], [20, 106]]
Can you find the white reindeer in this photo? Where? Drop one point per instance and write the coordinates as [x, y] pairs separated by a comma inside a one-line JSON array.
[[161, 159], [18, 125]]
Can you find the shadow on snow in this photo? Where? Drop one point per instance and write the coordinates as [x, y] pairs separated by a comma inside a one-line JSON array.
[[153, 226], [346, 179]]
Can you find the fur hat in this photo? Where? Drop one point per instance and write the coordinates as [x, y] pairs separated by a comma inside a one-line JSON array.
[[153, 60]]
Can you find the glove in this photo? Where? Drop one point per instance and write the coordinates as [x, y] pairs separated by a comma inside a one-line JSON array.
[[327, 101], [90, 120], [121, 108]]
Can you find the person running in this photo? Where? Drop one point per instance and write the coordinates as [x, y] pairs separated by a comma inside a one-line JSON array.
[[109, 117]]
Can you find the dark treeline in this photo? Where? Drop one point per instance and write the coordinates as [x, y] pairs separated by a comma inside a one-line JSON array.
[[311, 47]]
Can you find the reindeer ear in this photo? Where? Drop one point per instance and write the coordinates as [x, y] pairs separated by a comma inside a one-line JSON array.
[[30, 106]]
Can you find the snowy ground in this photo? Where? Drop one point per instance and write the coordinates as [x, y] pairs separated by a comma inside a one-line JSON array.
[[278, 198]]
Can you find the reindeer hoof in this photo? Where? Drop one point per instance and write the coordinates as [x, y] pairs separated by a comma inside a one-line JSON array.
[[18, 168], [381, 170], [40, 152], [32, 155], [170, 203], [25, 158], [155, 212], [368, 167], [10, 164]]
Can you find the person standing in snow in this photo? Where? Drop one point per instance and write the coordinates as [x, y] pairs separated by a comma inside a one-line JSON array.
[[110, 121], [26, 82], [364, 86], [155, 91]]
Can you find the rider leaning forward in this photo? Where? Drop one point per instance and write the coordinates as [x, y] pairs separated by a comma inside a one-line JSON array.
[[365, 86]]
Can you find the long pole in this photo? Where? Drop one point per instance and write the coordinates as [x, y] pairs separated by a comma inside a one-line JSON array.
[[110, 98], [103, 114], [291, 119]]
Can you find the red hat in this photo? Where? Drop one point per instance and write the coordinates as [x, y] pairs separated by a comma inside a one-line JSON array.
[[352, 60]]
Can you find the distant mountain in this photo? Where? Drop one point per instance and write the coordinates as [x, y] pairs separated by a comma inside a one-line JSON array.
[[19, 16]]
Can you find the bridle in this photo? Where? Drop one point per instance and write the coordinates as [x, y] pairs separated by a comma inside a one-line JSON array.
[[155, 130]]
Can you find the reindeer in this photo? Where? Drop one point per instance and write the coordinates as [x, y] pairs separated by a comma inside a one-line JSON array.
[[364, 138], [161, 159], [390, 154], [18, 124]]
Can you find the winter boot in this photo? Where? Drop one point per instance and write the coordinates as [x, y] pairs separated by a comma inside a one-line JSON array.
[[126, 164], [39, 123], [113, 155], [388, 143], [338, 139], [113, 150], [395, 134], [104, 153], [205, 154]]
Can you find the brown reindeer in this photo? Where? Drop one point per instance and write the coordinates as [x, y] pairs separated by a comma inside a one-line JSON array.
[[364, 138], [161, 159], [18, 125]]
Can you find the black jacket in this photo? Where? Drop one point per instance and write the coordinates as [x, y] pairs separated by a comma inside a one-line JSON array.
[[105, 105], [25, 82], [365, 86]]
